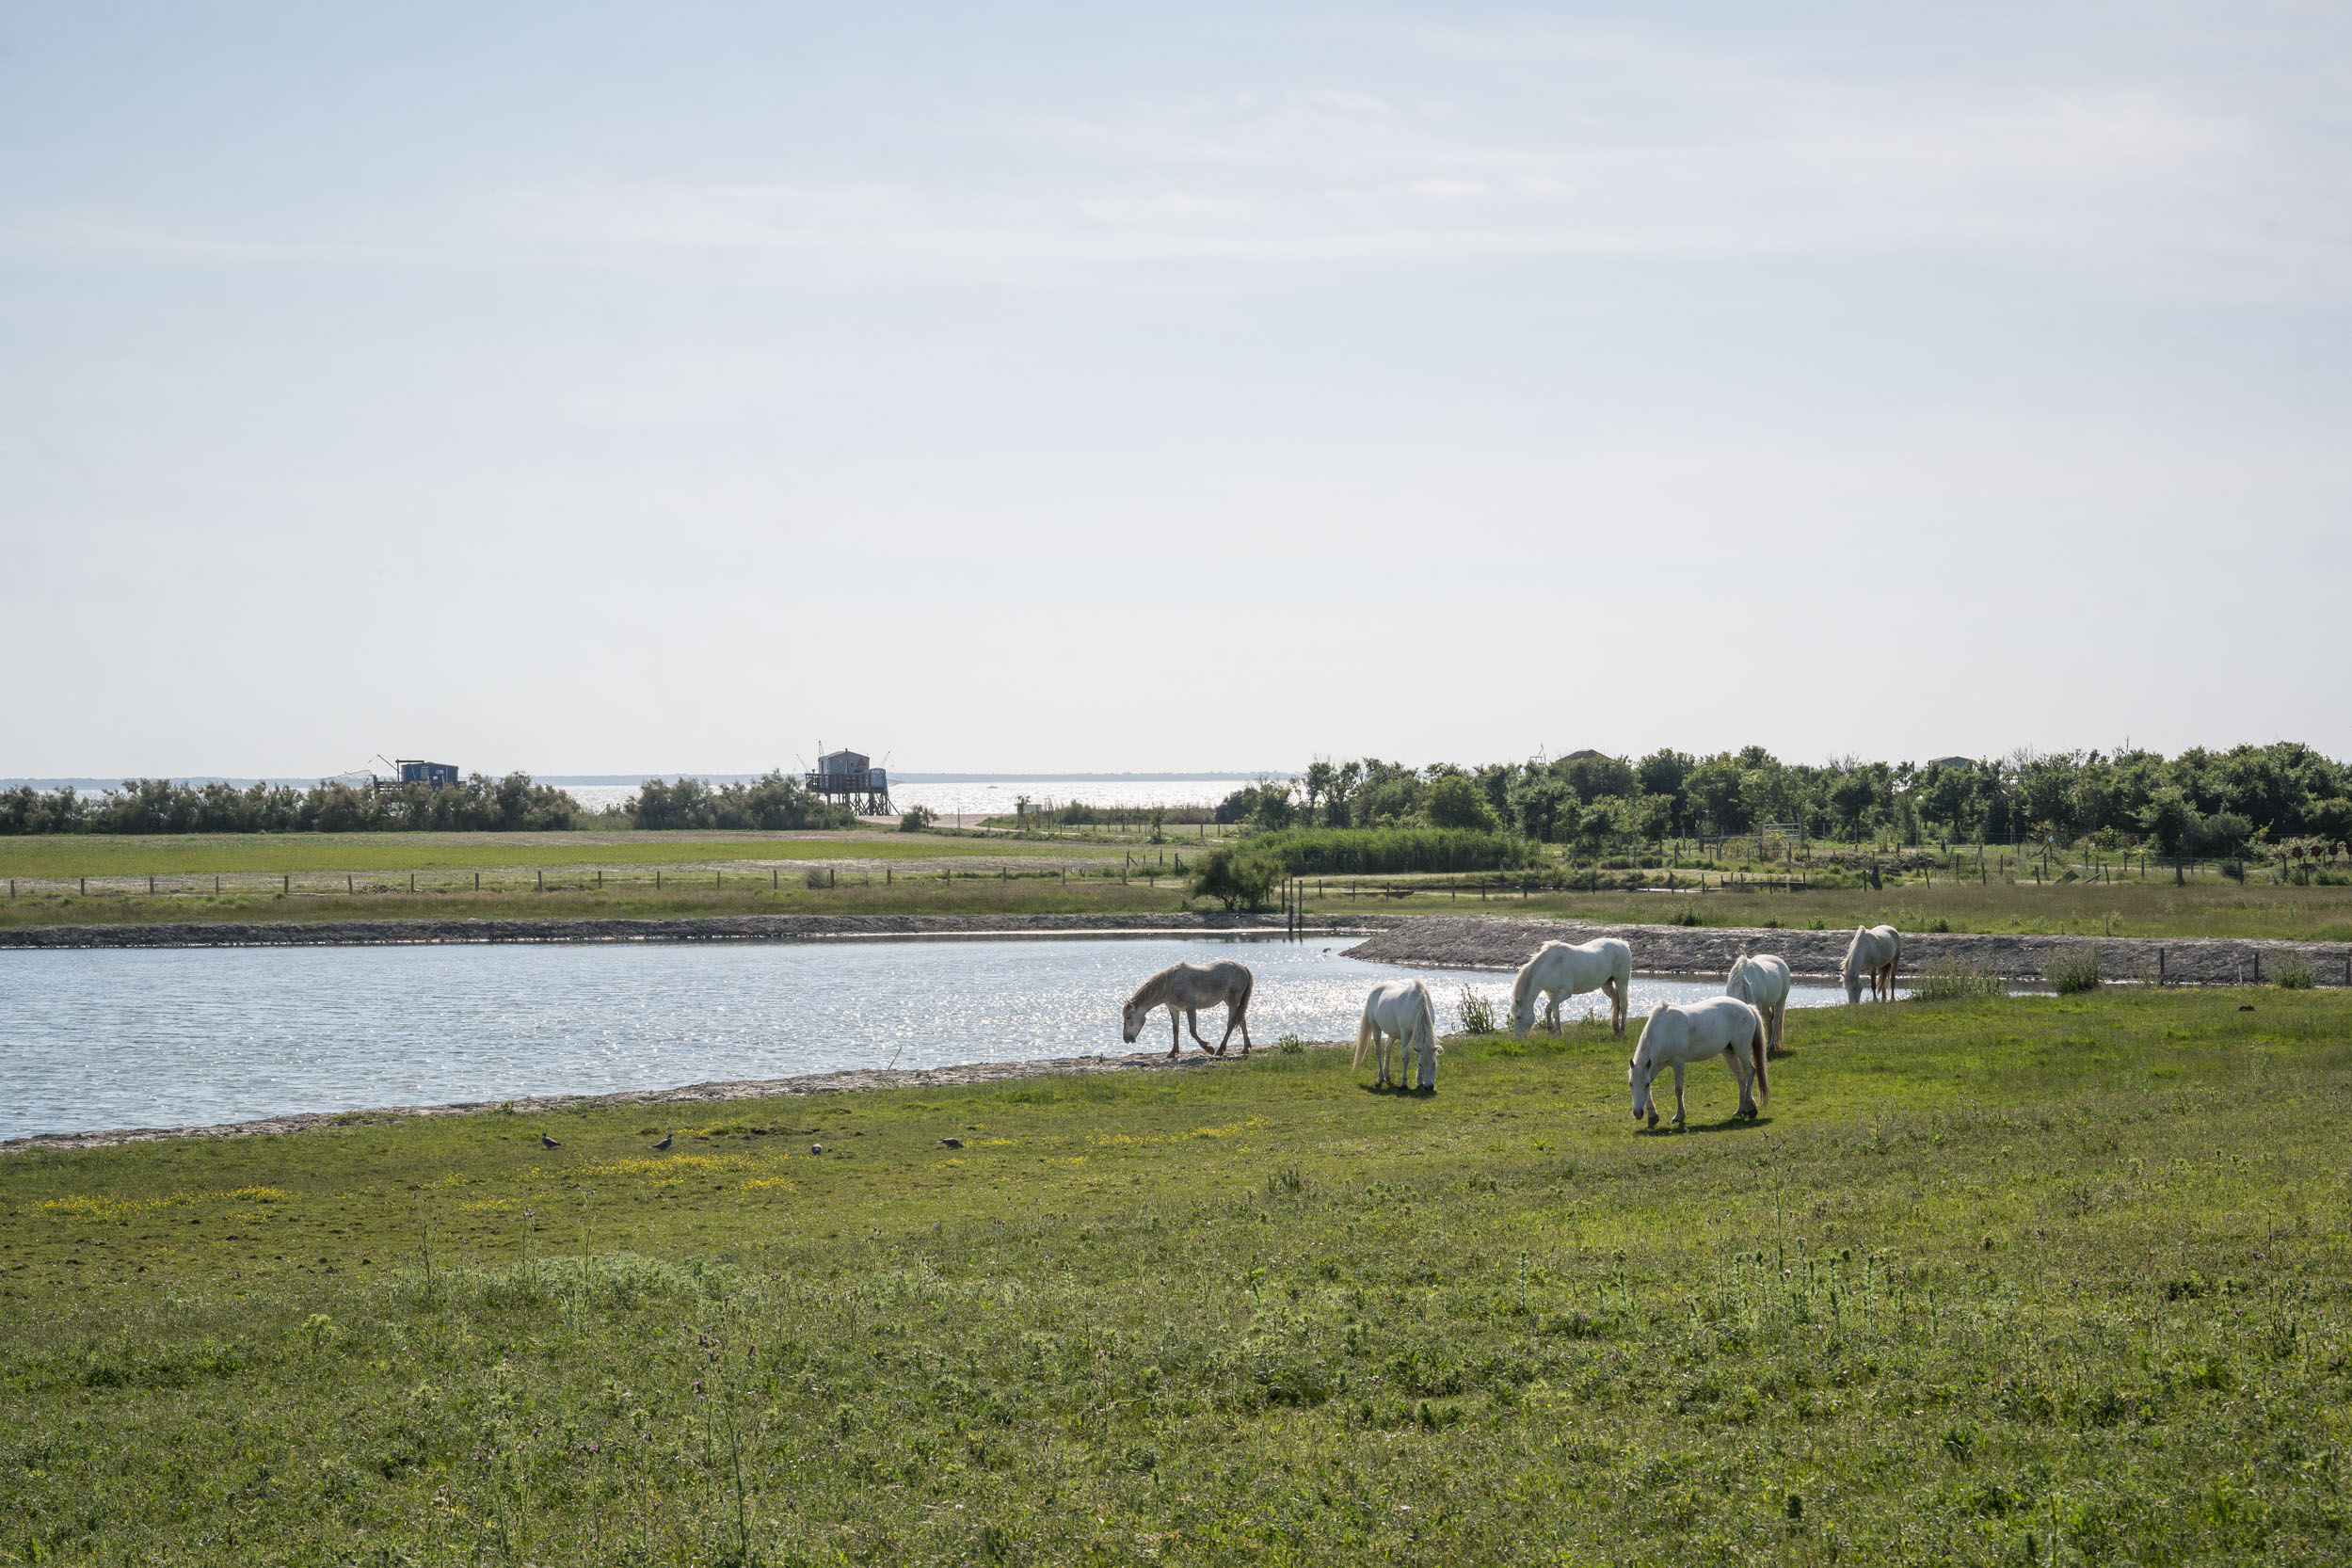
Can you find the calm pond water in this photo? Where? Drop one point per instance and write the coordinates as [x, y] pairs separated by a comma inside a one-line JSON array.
[[92, 1039]]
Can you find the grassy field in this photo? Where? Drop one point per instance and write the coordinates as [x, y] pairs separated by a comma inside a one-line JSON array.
[[2118, 909], [2033, 1279], [744, 873], [978, 892], [98, 854]]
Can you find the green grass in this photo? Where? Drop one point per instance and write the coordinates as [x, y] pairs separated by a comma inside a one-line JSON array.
[[2214, 908], [978, 893], [73, 855], [2059, 1277]]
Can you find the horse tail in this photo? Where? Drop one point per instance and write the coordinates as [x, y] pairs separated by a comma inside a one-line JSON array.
[[1364, 1030], [1758, 1047]]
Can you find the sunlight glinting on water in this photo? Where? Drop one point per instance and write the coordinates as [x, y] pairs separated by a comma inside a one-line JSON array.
[[100, 1038]]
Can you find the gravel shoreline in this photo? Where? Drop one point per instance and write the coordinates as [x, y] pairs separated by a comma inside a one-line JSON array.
[[1471, 943]]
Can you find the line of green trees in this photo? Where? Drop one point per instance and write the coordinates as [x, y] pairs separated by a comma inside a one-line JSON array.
[[770, 802], [480, 804], [2199, 802]]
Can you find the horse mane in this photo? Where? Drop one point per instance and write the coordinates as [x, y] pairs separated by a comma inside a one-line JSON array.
[[1522, 982], [1152, 991]]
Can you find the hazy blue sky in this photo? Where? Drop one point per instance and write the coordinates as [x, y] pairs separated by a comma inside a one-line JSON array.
[[594, 389]]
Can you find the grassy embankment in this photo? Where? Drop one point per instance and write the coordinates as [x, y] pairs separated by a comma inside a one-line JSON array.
[[2040, 1278], [2215, 909], [544, 876], [712, 873]]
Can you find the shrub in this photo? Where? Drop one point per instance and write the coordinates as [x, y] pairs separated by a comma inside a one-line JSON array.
[[1367, 852], [1477, 1014], [2077, 970], [769, 802], [1236, 878], [919, 820], [1456, 801], [2293, 974], [1950, 982]]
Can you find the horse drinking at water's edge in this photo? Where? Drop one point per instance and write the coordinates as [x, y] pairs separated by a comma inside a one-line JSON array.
[[1401, 1009], [1559, 972], [1186, 988], [1677, 1036], [1872, 955]]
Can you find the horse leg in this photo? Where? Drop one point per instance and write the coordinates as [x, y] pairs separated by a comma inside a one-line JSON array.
[[1192, 1021], [1743, 1075], [1175, 1036], [1680, 1111], [1616, 1006], [1243, 1018]]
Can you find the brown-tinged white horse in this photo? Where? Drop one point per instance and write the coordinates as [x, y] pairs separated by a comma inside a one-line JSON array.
[[1186, 988]]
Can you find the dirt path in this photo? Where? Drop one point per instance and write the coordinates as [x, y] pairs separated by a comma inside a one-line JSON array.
[[1447, 941]]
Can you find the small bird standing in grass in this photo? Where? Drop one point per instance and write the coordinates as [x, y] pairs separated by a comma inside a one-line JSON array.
[[547, 1143], [664, 1143]]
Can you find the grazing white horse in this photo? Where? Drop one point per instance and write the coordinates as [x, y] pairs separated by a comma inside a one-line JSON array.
[[1871, 955], [1559, 971], [1400, 1010], [1761, 981], [1677, 1036], [1186, 988]]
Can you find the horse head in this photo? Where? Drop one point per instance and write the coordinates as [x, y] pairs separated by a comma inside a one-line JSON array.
[[1522, 1015], [1131, 1021], [1641, 1071]]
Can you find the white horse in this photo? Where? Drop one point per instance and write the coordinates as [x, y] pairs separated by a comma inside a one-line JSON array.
[[1871, 955], [1561, 971], [1677, 1036], [1186, 988], [1761, 981], [1400, 1010]]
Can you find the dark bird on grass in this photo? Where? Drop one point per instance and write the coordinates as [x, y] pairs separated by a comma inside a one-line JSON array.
[[547, 1143], [664, 1143], [951, 1142], [816, 1148]]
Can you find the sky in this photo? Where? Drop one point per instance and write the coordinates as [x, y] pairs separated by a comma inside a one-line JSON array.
[[590, 388]]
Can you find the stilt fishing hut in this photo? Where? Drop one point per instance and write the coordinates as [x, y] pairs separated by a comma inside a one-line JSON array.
[[850, 778]]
